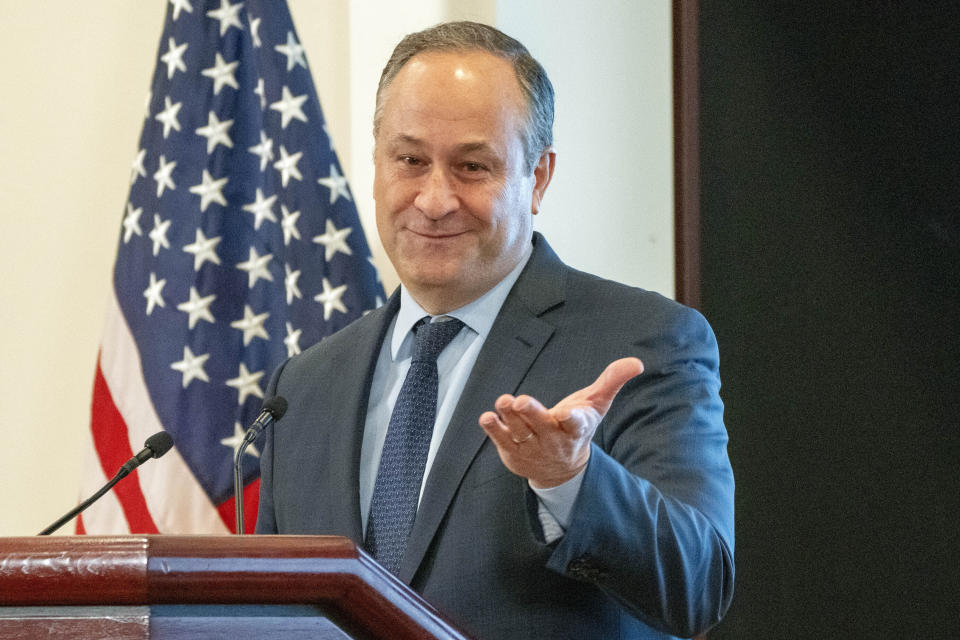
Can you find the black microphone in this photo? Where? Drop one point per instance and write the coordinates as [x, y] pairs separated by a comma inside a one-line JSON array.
[[273, 409], [155, 446]]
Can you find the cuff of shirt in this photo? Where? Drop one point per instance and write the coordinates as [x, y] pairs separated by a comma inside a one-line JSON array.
[[555, 505]]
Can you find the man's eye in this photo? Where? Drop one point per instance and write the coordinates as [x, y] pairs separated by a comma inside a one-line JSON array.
[[410, 160], [473, 166]]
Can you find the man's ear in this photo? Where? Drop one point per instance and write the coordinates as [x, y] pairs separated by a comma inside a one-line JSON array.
[[542, 174]]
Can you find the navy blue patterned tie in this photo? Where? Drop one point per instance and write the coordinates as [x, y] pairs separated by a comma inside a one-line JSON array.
[[397, 489]]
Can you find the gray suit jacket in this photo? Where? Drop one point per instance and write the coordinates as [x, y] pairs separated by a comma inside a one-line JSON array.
[[649, 550]]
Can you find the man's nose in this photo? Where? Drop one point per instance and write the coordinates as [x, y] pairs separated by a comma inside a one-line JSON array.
[[437, 196]]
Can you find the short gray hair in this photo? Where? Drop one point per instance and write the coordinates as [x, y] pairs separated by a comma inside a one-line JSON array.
[[460, 36]]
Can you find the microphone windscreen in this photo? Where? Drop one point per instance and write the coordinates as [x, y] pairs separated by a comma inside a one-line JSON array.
[[159, 443], [277, 406]]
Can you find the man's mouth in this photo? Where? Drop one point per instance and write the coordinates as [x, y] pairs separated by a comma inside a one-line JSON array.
[[436, 235]]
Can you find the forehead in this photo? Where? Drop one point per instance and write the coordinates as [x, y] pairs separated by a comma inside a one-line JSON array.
[[453, 88]]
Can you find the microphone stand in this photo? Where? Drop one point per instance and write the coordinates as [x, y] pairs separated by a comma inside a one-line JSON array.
[[155, 446], [273, 409], [121, 474], [238, 484]]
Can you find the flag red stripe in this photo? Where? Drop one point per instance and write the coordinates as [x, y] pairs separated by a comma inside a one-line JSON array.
[[112, 442], [251, 500]]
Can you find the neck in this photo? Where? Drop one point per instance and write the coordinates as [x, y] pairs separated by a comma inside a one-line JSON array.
[[439, 302]]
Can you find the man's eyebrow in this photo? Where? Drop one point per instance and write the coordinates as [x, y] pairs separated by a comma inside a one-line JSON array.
[[403, 138], [468, 147]]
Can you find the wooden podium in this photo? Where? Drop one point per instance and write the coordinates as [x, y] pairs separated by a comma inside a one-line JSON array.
[[203, 587]]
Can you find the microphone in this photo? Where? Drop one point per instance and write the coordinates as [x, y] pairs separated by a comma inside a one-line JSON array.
[[155, 446], [272, 410]]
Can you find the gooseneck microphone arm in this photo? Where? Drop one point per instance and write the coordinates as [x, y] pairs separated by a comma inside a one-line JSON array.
[[155, 446], [273, 409]]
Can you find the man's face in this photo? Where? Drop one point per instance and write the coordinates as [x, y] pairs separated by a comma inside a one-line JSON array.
[[454, 201]]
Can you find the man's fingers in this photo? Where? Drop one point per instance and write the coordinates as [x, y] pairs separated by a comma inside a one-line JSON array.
[[608, 385], [523, 415], [535, 415], [498, 432]]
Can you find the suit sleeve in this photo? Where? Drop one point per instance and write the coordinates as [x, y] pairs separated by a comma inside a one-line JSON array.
[[652, 524]]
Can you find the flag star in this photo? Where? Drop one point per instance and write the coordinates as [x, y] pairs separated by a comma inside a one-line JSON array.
[[227, 15], [262, 209], [289, 224], [287, 165], [255, 32], [334, 240], [252, 325], [256, 267], [198, 309], [236, 441], [373, 263], [330, 298], [246, 383], [293, 50], [336, 183], [289, 107], [173, 58], [163, 177], [210, 190], [292, 341], [203, 249], [136, 167], [169, 116], [216, 132], [260, 91], [131, 223], [153, 293], [290, 283], [222, 73], [264, 150], [159, 233], [191, 367], [178, 5], [146, 106]]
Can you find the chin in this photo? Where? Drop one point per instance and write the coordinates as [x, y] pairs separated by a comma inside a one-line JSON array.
[[436, 276]]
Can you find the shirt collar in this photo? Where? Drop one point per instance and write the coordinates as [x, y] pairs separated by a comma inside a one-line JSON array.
[[478, 315]]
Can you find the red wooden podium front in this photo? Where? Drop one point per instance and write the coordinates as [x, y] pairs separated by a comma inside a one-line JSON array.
[[205, 587]]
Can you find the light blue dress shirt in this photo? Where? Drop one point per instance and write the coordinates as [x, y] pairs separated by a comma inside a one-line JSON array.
[[454, 366]]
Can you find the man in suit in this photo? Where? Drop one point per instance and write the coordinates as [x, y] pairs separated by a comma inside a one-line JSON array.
[[547, 502]]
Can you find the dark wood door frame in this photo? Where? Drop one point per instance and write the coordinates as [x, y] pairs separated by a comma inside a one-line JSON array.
[[686, 152]]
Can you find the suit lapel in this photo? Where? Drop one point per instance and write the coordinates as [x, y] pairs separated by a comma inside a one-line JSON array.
[[341, 506], [516, 339]]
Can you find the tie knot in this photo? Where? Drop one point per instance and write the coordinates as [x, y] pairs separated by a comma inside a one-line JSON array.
[[433, 337]]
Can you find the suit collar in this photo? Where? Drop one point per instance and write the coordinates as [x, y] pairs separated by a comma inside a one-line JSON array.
[[542, 284], [516, 339]]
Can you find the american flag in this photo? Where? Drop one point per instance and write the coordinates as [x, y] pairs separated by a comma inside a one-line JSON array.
[[240, 246]]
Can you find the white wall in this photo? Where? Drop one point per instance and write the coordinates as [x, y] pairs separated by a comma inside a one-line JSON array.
[[609, 209], [73, 103]]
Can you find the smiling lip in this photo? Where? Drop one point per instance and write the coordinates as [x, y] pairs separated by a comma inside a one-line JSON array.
[[434, 235]]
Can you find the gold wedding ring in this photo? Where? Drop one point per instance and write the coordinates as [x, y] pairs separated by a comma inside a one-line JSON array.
[[529, 435]]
